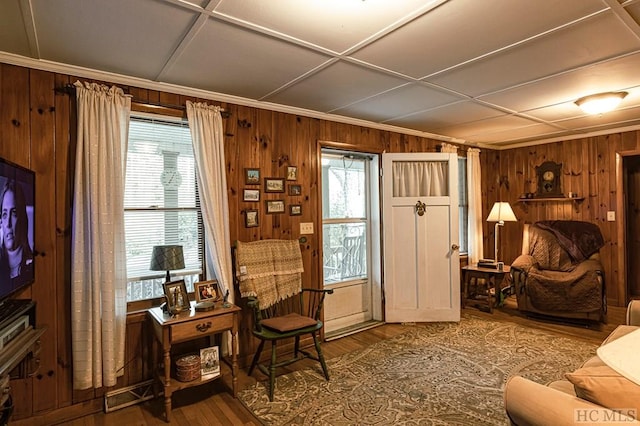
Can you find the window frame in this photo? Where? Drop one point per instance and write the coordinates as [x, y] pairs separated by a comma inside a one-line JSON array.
[[171, 116], [463, 205]]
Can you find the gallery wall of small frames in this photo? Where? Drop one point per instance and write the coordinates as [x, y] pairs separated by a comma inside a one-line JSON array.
[[270, 185]]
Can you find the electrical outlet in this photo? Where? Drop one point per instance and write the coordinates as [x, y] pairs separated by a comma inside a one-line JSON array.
[[611, 216], [306, 228]]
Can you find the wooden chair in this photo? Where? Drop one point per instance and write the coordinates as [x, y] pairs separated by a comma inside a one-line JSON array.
[[293, 317], [269, 276]]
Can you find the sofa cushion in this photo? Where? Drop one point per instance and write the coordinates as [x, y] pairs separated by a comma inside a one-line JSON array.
[[619, 331], [602, 385]]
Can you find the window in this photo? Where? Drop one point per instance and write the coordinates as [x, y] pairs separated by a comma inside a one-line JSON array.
[[463, 205], [161, 204], [345, 220]]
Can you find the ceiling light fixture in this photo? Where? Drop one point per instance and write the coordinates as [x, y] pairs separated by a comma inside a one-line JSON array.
[[601, 102]]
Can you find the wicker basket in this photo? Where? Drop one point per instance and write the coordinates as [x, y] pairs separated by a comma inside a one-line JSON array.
[[188, 368]]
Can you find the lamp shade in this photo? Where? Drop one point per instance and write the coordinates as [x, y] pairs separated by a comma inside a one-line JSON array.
[[167, 258], [501, 212], [601, 102]]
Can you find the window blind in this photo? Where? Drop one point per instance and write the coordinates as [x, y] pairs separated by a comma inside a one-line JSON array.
[[161, 201]]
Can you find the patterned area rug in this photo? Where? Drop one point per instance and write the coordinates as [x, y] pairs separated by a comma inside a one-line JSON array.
[[434, 374]]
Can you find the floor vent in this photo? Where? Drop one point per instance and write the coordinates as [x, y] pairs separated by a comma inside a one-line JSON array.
[[131, 395]]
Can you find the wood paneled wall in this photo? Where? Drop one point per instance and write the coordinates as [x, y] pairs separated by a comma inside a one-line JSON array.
[[37, 130]]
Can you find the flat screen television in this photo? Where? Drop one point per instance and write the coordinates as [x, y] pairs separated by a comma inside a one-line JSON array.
[[17, 223]]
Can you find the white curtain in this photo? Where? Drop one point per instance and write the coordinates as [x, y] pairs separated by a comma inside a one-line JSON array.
[[99, 270], [420, 178], [449, 148], [474, 197], [207, 136]]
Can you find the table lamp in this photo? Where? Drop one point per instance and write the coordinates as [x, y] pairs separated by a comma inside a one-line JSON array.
[[167, 258], [500, 213]]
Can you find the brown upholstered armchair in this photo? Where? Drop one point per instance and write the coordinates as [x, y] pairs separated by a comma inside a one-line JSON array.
[[559, 272]]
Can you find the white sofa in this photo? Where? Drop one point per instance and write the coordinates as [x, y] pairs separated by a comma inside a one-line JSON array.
[[600, 389]]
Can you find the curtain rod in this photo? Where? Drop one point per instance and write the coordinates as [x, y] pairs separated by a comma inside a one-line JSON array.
[[70, 89]]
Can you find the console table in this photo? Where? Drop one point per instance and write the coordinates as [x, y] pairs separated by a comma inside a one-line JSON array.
[[474, 292], [190, 325]]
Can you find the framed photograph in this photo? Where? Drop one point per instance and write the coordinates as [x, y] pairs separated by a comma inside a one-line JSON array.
[[251, 219], [209, 363], [251, 195], [273, 185], [295, 189], [252, 176], [177, 296], [207, 291], [292, 173], [275, 206], [295, 209]]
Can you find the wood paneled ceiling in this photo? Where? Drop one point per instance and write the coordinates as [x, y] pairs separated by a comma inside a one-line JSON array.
[[489, 72]]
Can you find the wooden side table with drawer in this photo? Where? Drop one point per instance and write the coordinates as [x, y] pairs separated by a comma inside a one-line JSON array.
[[190, 325]]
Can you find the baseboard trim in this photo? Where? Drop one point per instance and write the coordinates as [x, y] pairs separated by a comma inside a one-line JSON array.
[[353, 329]]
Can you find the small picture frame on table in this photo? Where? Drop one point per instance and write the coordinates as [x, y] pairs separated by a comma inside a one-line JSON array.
[[250, 195], [295, 209], [251, 219], [207, 291], [275, 206], [177, 297], [252, 176], [209, 363], [273, 185]]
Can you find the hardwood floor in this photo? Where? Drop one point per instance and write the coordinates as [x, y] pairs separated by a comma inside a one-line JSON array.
[[211, 404]]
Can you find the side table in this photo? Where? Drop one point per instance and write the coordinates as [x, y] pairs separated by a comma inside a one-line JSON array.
[[475, 292], [186, 326]]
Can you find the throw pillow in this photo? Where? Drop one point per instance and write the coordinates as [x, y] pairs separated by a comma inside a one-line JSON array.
[[602, 385]]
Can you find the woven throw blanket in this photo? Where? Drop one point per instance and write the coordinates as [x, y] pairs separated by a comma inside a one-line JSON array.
[[580, 239], [575, 291], [273, 270], [548, 253]]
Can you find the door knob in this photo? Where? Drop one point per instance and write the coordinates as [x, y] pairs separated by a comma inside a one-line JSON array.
[[420, 208], [455, 247]]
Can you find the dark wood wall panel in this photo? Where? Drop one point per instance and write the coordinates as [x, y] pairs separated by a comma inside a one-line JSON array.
[[42, 109], [15, 145], [37, 130], [64, 154]]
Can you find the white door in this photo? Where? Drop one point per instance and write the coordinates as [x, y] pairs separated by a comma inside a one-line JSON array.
[[421, 229], [347, 240]]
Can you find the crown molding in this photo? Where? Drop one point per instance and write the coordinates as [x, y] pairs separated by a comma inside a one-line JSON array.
[[77, 71], [115, 78]]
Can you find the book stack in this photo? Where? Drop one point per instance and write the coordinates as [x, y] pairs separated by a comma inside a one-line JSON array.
[[487, 263]]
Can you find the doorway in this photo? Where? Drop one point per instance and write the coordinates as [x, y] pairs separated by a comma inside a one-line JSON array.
[[421, 237], [631, 166], [350, 241]]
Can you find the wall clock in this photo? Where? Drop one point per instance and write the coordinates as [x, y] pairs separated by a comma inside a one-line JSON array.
[[170, 178], [549, 179]]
